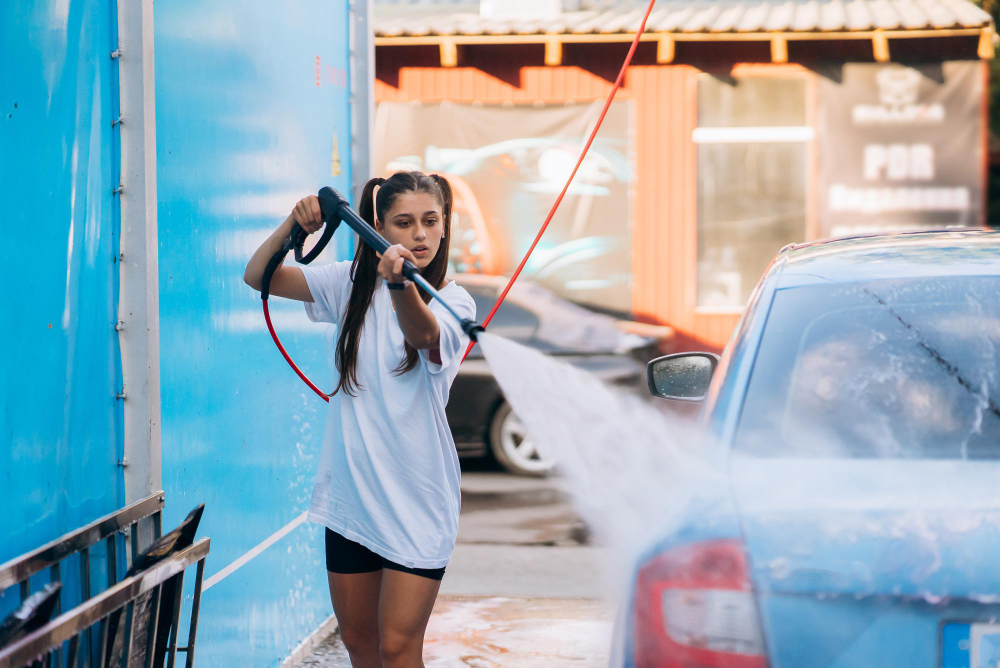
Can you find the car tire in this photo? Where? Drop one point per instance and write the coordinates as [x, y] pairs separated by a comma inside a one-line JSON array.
[[512, 448]]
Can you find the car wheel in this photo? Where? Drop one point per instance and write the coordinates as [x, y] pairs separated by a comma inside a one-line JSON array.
[[513, 448]]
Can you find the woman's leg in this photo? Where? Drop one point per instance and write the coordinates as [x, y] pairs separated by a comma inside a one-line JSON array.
[[404, 607], [355, 575], [355, 603]]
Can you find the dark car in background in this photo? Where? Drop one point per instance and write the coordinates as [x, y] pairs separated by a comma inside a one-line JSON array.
[[615, 350]]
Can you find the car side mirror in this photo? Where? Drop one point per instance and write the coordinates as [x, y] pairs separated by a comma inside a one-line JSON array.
[[681, 377]]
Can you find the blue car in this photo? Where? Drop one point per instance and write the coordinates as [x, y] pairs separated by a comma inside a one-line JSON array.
[[856, 415]]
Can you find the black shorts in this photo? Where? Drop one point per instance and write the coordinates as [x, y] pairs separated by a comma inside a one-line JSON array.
[[346, 557]]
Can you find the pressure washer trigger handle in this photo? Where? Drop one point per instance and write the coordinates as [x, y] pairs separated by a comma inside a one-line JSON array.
[[298, 235], [296, 238], [330, 202]]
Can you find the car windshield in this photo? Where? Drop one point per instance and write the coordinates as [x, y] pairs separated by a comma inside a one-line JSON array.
[[906, 368]]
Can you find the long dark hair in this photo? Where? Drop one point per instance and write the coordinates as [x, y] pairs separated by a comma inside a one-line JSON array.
[[364, 271]]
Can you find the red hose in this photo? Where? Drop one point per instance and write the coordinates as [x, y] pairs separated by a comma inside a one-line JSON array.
[[548, 219], [270, 328]]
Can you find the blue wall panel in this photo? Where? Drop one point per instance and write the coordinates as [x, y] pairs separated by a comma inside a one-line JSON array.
[[60, 424], [250, 102]]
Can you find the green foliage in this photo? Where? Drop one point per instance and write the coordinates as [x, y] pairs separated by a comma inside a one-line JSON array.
[[992, 7]]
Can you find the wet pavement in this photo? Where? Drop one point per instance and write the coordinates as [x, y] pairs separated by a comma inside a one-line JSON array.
[[495, 631], [502, 509], [524, 587]]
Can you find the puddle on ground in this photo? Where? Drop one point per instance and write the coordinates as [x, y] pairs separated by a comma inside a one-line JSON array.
[[528, 632]]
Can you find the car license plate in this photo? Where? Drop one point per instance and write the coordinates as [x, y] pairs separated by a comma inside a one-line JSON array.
[[970, 646]]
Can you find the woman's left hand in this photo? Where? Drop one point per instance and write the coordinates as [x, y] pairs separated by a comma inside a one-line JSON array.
[[390, 267]]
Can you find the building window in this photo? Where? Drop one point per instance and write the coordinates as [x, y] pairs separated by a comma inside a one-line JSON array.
[[753, 147]]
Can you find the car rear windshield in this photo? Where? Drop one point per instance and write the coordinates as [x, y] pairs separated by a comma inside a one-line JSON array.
[[906, 368]]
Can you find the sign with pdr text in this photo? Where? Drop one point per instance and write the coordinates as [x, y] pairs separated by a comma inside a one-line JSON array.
[[901, 148]]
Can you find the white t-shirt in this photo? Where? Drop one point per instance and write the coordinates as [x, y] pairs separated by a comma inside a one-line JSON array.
[[388, 477]]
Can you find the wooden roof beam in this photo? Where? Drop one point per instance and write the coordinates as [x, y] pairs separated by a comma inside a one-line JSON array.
[[665, 49], [449, 53], [553, 52], [779, 49], [592, 38], [666, 42], [986, 43], [880, 46]]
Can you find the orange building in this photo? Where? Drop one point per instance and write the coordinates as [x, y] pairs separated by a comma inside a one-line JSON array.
[[742, 126]]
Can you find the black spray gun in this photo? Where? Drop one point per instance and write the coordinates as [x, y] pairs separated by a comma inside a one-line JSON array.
[[335, 209]]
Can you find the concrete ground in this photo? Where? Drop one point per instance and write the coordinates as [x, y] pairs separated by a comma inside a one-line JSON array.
[[524, 586]]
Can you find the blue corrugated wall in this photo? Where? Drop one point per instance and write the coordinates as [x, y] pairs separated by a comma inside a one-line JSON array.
[[60, 424], [250, 101]]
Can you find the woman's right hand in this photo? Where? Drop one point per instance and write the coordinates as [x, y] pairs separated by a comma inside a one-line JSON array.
[[307, 214]]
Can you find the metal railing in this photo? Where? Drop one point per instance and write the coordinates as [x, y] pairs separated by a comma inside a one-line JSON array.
[[124, 522], [140, 598]]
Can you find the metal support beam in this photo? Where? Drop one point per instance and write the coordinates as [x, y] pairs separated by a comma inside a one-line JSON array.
[[362, 59], [138, 300]]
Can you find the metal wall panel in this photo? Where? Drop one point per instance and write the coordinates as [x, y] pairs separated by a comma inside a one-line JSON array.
[[60, 423], [252, 109]]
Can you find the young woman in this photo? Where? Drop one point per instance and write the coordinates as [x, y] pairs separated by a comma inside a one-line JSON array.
[[387, 488]]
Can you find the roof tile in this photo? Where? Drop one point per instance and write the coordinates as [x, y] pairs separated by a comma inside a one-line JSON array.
[[461, 17], [729, 17], [754, 17], [807, 17], [833, 16]]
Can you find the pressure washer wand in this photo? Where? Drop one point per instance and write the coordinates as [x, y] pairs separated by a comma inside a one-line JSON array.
[[333, 205]]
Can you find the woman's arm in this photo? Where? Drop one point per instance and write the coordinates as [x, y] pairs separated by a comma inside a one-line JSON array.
[[420, 327], [287, 281]]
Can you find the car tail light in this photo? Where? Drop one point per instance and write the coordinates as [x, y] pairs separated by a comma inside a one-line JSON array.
[[694, 607]]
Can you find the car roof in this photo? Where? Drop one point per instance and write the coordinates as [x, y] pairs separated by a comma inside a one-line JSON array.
[[954, 252], [561, 323]]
